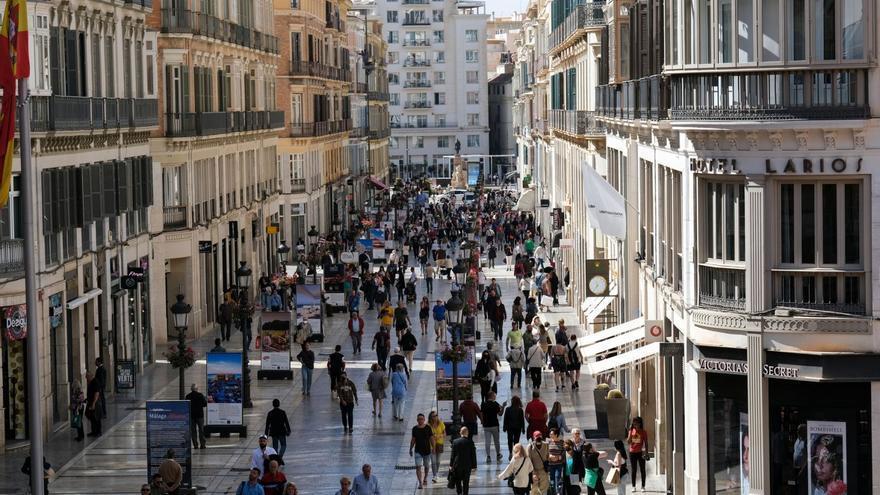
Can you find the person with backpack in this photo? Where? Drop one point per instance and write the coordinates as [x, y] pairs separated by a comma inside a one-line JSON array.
[[516, 358], [556, 419], [535, 362], [514, 423], [575, 358]]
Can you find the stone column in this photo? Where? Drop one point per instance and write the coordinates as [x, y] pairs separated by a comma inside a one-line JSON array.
[[757, 300]]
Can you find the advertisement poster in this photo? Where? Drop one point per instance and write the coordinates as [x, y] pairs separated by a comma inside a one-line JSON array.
[[826, 451], [168, 436], [275, 341], [336, 298], [443, 375], [224, 388], [16, 322], [125, 375], [366, 244], [308, 306], [744, 467], [56, 310], [378, 247], [308, 294]]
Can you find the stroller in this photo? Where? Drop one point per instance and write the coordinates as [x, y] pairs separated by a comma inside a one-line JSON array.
[[410, 292]]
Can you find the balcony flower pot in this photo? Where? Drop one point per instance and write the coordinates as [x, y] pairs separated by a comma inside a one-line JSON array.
[[618, 417], [599, 395]]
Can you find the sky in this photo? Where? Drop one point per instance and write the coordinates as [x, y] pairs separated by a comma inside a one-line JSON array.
[[504, 8]]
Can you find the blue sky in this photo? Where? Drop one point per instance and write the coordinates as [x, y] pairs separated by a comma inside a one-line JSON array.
[[505, 7]]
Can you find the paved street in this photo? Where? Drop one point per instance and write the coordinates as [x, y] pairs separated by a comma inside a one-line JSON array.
[[317, 454]]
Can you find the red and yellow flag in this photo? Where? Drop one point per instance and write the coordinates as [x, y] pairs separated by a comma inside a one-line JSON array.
[[14, 65]]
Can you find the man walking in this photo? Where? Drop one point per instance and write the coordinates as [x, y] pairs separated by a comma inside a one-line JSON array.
[[306, 357], [382, 344], [535, 361], [429, 278], [440, 322], [225, 319], [197, 405], [356, 331], [422, 441], [347, 393], [463, 461], [260, 455], [101, 376], [365, 483], [93, 405], [335, 368], [252, 486], [490, 411], [277, 427], [409, 344]]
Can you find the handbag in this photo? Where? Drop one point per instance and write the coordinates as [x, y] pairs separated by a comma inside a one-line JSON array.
[[511, 478], [613, 476], [450, 479], [76, 420], [591, 476]]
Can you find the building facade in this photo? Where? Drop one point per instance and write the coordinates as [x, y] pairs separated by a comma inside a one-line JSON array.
[[740, 136], [502, 34], [502, 144], [214, 153], [437, 82], [93, 106]]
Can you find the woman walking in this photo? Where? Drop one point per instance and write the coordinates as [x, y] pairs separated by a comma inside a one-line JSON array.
[[376, 384], [519, 469], [575, 358], [398, 391], [619, 462], [439, 429], [514, 424], [637, 438], [593, 473], [556, 419], [424, 313], [77, 408], [516, 313]]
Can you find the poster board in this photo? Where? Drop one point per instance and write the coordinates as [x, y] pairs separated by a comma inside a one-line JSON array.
[[444, 383], [826, 453], [377, 237], [168, 432], [224, 388], [308, 306], [275, 341], [125, 375]]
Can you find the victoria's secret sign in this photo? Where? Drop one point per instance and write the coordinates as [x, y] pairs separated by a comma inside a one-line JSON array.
[[742, 368]]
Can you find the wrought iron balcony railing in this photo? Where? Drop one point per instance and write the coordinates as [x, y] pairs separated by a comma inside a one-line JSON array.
[[174, 217], [11, 256], [380, 133], [190, 124], [723, 288], [83, 113], [417, 83], [639, 99], [377, 96], [201, 24], [576, 122], [317, 129], [589, 15], [416, 21], [315, 69], [413, 62], [416, 43], [417, 104]]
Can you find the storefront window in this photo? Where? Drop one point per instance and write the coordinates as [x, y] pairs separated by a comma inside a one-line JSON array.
[[820, 438], [727, 421]]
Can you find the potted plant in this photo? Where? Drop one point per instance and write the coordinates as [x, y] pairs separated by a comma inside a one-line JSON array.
[[599, 395], [617, 407]]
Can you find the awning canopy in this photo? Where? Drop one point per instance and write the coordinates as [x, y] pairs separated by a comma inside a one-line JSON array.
[[634, 356], [613, 343], [377, 183], [611, 332], [594, 306], [88, 296], [526, 201]]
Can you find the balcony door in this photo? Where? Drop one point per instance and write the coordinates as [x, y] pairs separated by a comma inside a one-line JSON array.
[[177, 92], [296, 109]]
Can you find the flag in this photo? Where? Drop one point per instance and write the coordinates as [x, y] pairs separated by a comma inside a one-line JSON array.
[[606, 208], [14, 65]]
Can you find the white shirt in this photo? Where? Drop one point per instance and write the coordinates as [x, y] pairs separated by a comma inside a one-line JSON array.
[[540, 252], [257, 458]]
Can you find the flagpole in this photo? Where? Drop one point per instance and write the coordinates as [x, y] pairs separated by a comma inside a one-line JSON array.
[[29, 202]]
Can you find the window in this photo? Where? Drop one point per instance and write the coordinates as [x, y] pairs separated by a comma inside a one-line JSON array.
[[41, 48], [393, 37], [853, 29], [473, 76], [394, 99], [419, 142], [473, 119], [440, 120], [391, 16], [439, 98], [472, 56], [393, 78], [470, 35], [393, 142], [473, 97], [438, 36], [393, 57], [11, 221], [443, 141], [440, 57], [796, 14], [473, 140], [820, 228], [722, 273], [439, 78], [437, 15]]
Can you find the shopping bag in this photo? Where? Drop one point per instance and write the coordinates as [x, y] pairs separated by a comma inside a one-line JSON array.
[[547, 301], [591, 476], [613, 476]]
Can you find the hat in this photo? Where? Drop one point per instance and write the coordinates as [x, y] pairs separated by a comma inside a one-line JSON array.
[[536, 435], [264, 437]]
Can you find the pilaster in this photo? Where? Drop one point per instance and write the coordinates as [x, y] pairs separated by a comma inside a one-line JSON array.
[[757, 274], [759, 419]]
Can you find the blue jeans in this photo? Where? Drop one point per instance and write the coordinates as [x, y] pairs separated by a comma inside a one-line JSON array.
[[307, 379], [429, 284], [556, 477], [279, 443]]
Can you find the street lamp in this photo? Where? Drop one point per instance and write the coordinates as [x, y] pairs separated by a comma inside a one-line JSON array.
[[313, 237], [283, 251], [453, 307], [460, 272], [243, 281], [180, 314]]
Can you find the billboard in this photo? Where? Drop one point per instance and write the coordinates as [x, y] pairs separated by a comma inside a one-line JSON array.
[[308, 306], [826, 452], [168, 436], [275, 341], [224, 388]]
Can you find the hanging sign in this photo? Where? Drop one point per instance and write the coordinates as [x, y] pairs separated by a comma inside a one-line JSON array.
[[15, 321]]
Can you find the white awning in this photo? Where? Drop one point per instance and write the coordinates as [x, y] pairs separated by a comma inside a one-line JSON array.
[[526, 201], [614, 331], [88, 296], [614, 342], [634, 356]]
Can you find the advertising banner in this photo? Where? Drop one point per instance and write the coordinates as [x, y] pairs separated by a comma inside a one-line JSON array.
[[275, 341], [168, 436], [826, 451], [308, 306], [56, 310], [125, 375], [377, 236], [224, 388], [443, 375]]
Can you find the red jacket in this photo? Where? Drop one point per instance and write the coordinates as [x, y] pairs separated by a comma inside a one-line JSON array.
[[351, 331]]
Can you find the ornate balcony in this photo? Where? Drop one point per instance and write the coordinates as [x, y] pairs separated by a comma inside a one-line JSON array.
[[184, 21], [315, 69], [416, 43], [417, 104], [83, 113], [191, 124], [722, 288], [417, 83], [577, 123], [11, 256], [318, 129], [585, 16], [174, 217], [411, 62], [639, 99]]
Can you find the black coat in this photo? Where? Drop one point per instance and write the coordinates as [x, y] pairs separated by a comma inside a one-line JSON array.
[[464, 456], [276, 423], [514, 420], [197, 405]]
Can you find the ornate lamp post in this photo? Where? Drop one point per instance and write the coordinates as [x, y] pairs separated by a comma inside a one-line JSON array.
[[243, 281], [313, 243], [283, 252], [453, 308], [180, 315]]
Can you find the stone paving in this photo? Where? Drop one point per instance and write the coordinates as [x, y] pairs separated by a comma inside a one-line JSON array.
[[318, 454]]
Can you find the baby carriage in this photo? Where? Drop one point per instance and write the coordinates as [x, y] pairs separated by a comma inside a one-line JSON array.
[[410, 292]]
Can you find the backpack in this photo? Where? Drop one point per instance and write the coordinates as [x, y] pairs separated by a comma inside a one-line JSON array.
[[573, 357]]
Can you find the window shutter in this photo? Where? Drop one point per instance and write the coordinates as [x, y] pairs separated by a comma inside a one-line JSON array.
[[184, 89], [74, 191], [70, 74], [169, 101], [85, 193], [55, 61], [135, 193], [46, 180], [109, 181], [96, 190], [147, 164]]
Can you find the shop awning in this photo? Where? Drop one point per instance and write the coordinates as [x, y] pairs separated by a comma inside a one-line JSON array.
[[526, 201], [634, 356], [614, 343], [594, 306], [611, 332], [88, 296], [377, 183]]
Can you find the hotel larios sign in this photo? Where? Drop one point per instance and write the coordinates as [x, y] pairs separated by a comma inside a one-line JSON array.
[[780, 166], [742, 368]]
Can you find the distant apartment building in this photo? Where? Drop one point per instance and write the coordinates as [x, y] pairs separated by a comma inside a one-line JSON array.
[[502, 34]]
